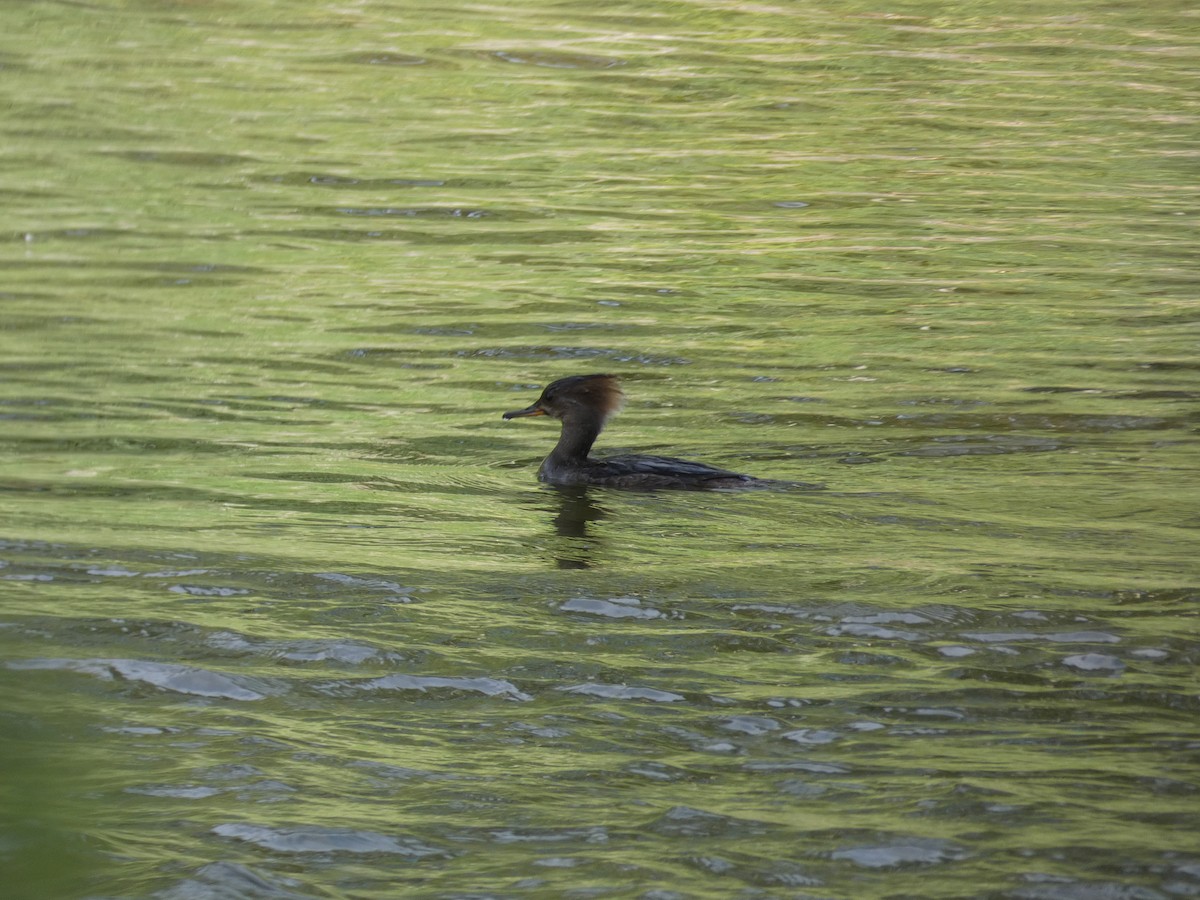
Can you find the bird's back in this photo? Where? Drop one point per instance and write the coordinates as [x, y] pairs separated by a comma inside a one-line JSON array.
[[650, 472]]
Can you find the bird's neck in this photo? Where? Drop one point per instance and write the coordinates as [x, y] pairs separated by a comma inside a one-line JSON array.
[[578, 435]]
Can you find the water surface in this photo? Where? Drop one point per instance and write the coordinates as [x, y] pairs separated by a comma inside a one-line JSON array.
[[284, 610]]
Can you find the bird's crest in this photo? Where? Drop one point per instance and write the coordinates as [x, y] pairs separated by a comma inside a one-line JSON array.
[[604, 392]]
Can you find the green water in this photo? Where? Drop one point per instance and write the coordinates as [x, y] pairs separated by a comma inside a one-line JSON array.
[[283, 609]]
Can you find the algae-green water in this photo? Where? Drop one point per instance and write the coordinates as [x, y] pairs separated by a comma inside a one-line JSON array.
[[283, 609]]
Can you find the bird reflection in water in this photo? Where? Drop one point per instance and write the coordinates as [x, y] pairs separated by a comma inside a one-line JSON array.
[[576, 509]]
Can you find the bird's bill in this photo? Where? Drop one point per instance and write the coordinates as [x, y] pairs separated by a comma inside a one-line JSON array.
[[534, 410]]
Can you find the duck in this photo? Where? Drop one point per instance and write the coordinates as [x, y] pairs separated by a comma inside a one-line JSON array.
[[584, 404]]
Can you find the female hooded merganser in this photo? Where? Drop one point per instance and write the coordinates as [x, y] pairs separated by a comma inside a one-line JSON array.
[[584, 403]]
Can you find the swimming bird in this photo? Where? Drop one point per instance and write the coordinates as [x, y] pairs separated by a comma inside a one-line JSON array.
[[583, 403]]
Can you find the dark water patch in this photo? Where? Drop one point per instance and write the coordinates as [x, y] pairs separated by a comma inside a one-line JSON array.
[[1160, 395], [444, 330], [308, 366], [307, 477], [582, 835], [20, 296], [1060, 887], [223, 410], [550, 59], [1119, 394], [811, 767], [441, 238], [860, 658], [211, 333], [1070, 423], [573, 353], [693, 823], [26, 194], [380, 772], [124, 636], [998, 423], [1168, 320], [1169, 365], [189, 269], [974, 445], [423, 212], [1060, 637], [82, 489], [76, 234], [380, 58], [1177, 597], [89, 488], [51, 409], [745, 868], [1060, 390], [956, 402], [743, 641], [407, 358], [329, 180], [469, 485], [240, 404], [188, 158], [823, 611]]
